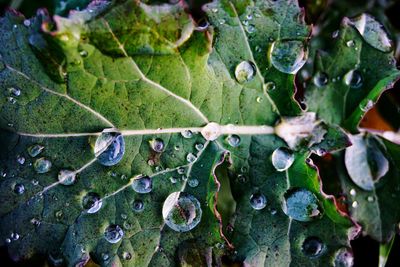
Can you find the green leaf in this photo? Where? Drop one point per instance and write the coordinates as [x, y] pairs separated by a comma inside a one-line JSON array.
[[346, 82], [117, 92]]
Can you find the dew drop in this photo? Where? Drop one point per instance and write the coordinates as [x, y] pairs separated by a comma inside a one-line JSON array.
[[373, 32], [126, 255], [181, 211], [370, 199], [282, 158], [19, 189], [354, 204], [367, 106], [42, 165], [202, 25], [193, 182], [350, 43], [313, 247], [109, 147], [157, 145], [288, 56], [190, 157], [344, 258], [353, 192], [301, 205], [353, 79], [35, 150], [66, 177], [250, 28], [233, 140], [142, 184], [14, 236], [269, 86], [199, 146], [181, 170], [113, 233], [173, 180], [83, 53], [138, 206], [12, 100], [92, 202], [14, 91], [245, 71], [335, 34], [27, 23], [258, 201], [320, 79], [20, 159], [187, 134]]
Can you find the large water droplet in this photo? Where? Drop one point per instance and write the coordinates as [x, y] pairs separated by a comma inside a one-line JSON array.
[[181, 211], [142, 184], [67, 177], [372, 32], [109, 148], [288, 56], [301, 205], [19, 189], [157, 145], [42, 165], [258, 201], [313, 247], [353, 79], [282, 158], [35, 150], [113, 233], [234, 140], [138, 205], [92, 202], [245, 71], [320, 79], [344, 258]]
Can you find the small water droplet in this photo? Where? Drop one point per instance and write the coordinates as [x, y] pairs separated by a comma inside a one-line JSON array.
[[8, 240], [259, 99], [269, 86], [242, 178], [109, 148], [42, 165], [354, 204], [11, 100], [59, 214], [20, 159], [250, 28], [190, 157], [181, 211], [367, 106], [113, 233], [214, 10], [320, 79], [202, 25], [313, 247], [181, 170], [35, 150], [350, 43], [245, 71], [14, 236], [14, 91], [157, 145], [199, 146], [92, 202], [370, 199], [83, 53], [138, 206], [126, 256], [288, 56], [124, 216], [187, 134], [193, 182], [36, 223], [282, 158], [27, 22], [344, 258], [221, 21], [335, 34], [249, 16], [105, 256], [66, 177], [173, 180], [142, 184], [274, 211], [353, 192], [301, 205], [258, 201], [353, 79], [233, 140], [35, 182]]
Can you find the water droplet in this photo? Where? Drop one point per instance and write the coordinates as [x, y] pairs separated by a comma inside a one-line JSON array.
[[124, 216], [353, 192], [373, 32], [35, 150], [14, 91], [211, 131], [181, 170], [350, 43], [113, 233], [66, 177], [249, 16], [370, 199], [250, 28], [321, 79], [42, 165], [187, 134], [109, 148], [335, 34], [313, 247], [214, 10], [202, 25], [19, 189], [8, 240], [27, 22], [190, 157], [83, 53], [142, 184], [12, 100], [35, 182], [193, 182], [234, 140], [138, 205], [344, 258], [288, 56], [92, 202], [105, 256], [258, 201], [36, 223], [221, 21], [367, 106], [14, 236], [282, 158], [126, 256], [354, 204], [20, 159], [242, 178], [353, 79], [301, 205], [181, 211], [269, 86], [173, 180], [59, 214], [273, 211], [245, 71], [199, 146], [157, 145]]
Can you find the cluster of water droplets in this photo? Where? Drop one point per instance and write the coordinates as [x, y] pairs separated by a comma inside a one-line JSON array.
[[13, 93]]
